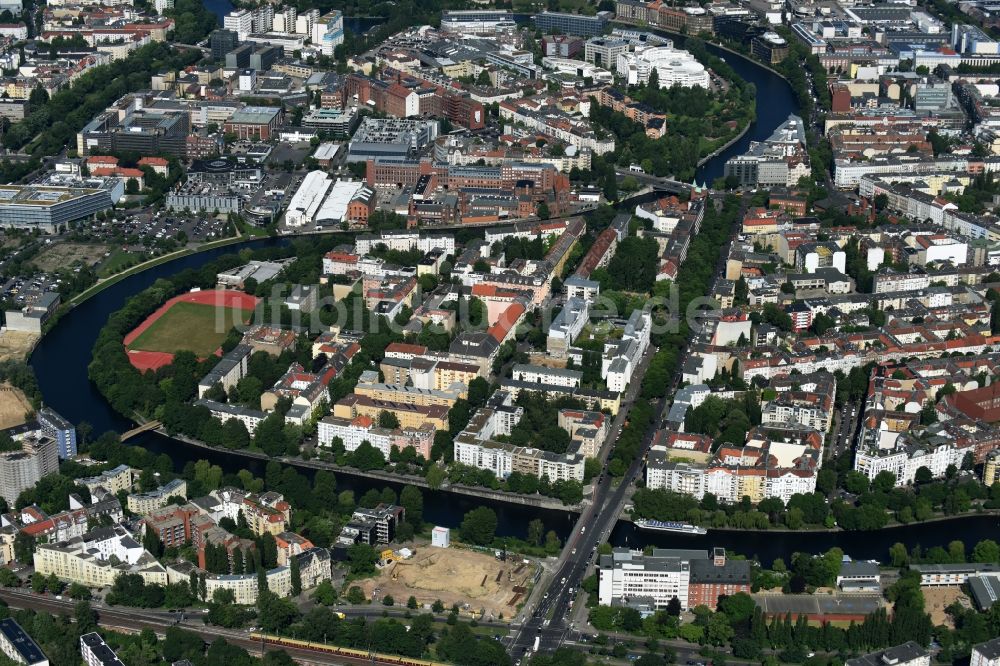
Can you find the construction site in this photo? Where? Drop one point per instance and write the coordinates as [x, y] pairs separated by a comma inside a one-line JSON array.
[[483, 585]]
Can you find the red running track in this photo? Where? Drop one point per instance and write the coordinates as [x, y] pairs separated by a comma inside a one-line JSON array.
[[153, 360]]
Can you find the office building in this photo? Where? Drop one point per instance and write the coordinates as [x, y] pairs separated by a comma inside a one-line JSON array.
[[141, 131], [390, 138], [254, 122], [222, 42], [628, 577], [477, 22], [239, 56], [770, 47], [572, 24], [673, 67], [47, 208], [19, 646]]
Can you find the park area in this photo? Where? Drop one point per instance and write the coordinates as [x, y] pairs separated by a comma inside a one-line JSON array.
[[456, 576], [198, 322]]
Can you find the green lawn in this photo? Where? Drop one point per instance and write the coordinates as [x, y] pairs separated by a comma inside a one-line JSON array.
[[188, 326], [118, 260]]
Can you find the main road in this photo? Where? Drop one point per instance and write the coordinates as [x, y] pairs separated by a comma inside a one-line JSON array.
[[546, 617]]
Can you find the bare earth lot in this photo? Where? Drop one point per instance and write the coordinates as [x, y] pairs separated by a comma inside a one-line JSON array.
[[13, 406], [936, 599], [455, 577], [62, 255], [16, 344]]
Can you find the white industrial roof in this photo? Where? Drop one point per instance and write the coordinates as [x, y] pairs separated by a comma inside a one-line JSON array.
[[307, 199], [326, 151], [335, 206]]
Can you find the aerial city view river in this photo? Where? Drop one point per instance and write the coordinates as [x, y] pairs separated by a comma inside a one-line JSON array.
[[60, 362]]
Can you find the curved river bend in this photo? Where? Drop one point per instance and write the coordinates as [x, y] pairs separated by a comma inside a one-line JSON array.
[[61, 358]]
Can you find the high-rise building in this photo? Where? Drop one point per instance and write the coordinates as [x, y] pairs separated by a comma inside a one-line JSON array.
[[328, 32], [240, 22], [20, 470], [62, 431], [222, 42]]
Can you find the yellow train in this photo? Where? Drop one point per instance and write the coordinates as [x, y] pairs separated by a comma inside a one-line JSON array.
[[351, 653]]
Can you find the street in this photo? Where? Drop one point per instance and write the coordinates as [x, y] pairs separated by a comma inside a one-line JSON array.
[[549, 619]]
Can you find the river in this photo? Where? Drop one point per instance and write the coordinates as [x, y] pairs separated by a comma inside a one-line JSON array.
[[61, 358]]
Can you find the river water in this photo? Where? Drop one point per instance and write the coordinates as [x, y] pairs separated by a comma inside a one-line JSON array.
[[61, 358]]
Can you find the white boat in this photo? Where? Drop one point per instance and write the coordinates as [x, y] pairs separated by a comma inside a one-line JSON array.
[[660, 526]]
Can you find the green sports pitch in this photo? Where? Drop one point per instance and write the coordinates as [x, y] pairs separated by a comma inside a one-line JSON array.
[[193, 327]]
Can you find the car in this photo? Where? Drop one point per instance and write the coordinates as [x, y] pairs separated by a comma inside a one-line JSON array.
[[204, 610]]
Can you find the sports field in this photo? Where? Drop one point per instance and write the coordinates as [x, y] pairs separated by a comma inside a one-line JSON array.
[[197, 322], [189, 326]]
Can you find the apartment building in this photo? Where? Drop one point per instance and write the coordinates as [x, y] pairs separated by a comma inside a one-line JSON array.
[[144, 503], [224, 411], [95, 652], [21, 470], [410, 416], [371, 526], [351, 432], [230, 369], [19, 646], [907, 654], [113, 480], [986, 654], [62, 431], [537, 374], [78, 561], [588, 429]]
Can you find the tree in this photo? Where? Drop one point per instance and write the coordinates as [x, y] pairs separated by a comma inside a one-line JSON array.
[[388, 420], [411, 603], [536, 532], [479, 526], [923, 475], [151, 542], [24, 548], [296, 575], [361, 559], [85, 617], [543, 211], [355, 595], [674, 607], [387, 600], [412, 501], [325, 594], [131, 186], [275, 613]]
